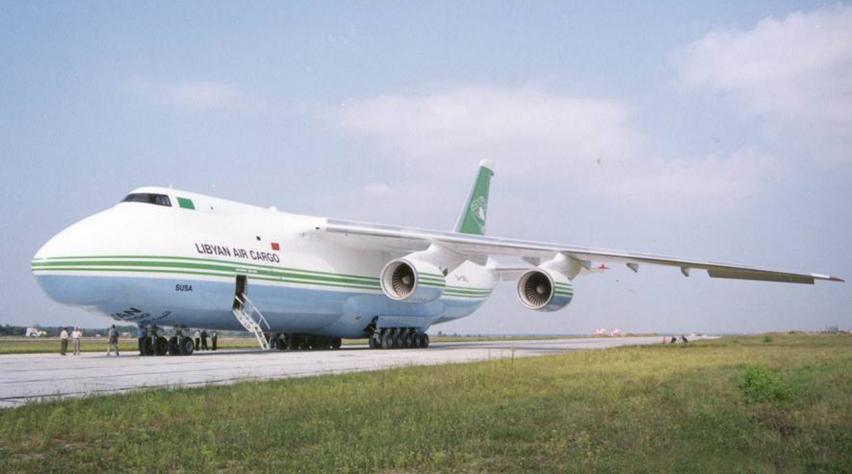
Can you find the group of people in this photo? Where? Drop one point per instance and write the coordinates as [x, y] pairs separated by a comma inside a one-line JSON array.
[[76, 334], [73, 336], [683, 339], [200, 340]]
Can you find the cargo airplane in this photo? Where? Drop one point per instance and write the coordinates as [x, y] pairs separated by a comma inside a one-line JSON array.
[[168, 258]]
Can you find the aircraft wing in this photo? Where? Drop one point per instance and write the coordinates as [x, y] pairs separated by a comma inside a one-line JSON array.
[[402, 238]]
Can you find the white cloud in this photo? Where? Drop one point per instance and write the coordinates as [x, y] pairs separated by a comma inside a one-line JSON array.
[[588, 144], [794, 74], [193, 95]]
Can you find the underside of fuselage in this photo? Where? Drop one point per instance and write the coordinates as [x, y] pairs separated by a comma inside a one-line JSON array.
[[206, 302]]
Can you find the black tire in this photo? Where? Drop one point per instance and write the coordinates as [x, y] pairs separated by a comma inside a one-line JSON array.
[[147, 347], [186, 346], [408, 340], [281, 342], [375, 340], [398, 341], [162, 346], [387, 340], [425, 343], [174, 348], [336, 343], [417, 340]]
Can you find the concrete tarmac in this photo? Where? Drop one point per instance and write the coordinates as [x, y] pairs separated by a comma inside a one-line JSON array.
[[28, 378]]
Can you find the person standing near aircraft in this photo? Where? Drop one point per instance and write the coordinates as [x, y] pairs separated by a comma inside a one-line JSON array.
[[75, 340], [152, 333], [197, 337], [143, 334], [113, 341], [63, 341], [204, 340], [214, 338]]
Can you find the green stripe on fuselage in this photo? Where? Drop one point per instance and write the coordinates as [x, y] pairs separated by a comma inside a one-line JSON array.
[[220, 268]]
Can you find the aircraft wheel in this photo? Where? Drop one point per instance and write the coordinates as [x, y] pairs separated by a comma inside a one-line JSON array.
[[375, 340], [336, 343], [162, 346], [417, 339], [398, 341], [425, 343], [174, 348], [408, 340], [281, 342], [147, 347], [186, 346], [387, 340]]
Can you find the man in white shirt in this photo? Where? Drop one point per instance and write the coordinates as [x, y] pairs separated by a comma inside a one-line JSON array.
[[63, 341], [76, 334]]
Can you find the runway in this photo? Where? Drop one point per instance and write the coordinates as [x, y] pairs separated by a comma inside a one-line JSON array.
[[28, 378]]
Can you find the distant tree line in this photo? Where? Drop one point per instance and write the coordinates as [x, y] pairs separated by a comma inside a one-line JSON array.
[[9, 330]]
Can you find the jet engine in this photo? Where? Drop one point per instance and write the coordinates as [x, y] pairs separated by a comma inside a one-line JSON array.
[[412, 280], [543, 289]]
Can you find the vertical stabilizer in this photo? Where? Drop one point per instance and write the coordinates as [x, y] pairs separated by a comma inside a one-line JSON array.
[[473, 214]]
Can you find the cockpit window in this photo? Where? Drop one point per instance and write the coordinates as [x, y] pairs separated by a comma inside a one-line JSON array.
[[158, 199]]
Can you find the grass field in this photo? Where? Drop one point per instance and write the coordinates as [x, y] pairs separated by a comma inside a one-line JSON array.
[[744, 404], [26, 345]]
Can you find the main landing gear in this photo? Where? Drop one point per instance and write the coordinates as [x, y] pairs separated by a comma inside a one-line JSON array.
[[399, 338], [303, 342]]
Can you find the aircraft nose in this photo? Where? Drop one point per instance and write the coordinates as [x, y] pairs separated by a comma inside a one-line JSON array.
[[54, 269]]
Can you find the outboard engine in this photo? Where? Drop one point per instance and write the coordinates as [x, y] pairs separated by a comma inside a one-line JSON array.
[[545, 289], [412, 280]]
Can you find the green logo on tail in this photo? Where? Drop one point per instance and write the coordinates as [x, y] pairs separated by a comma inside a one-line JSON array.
[[477, 210], [472, 219]]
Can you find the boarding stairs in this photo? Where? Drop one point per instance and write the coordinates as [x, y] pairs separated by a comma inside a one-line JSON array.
[[251, 318]]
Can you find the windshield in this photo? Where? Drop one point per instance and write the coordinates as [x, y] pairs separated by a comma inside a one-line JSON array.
[[158, 199]]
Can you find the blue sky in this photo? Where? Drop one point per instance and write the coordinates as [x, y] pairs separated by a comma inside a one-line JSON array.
[[716, 130]]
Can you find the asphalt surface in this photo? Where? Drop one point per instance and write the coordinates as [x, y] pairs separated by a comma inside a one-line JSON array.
[[26, 378]]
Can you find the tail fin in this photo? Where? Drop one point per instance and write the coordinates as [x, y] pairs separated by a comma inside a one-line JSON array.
[[472, 217]]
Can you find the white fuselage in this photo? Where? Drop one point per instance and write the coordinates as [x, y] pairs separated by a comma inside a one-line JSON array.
[[173, 266]]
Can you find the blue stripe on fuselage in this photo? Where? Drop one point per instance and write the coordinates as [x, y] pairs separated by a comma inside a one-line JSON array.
[[170, 302]]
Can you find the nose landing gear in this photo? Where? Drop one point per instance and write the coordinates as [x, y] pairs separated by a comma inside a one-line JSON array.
[[153, 344]]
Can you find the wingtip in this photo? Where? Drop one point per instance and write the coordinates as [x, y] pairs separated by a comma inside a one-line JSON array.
[[838, 279]]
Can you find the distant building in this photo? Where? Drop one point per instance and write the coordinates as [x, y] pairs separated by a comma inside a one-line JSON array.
[[615, 332], [35, 332], [601, 332]]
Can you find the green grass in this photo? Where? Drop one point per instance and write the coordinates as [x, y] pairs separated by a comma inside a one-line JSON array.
[[25, 345], [731, 405]]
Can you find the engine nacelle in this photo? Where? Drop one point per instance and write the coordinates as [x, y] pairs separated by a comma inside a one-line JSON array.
[[412, 280], [542, 289]]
